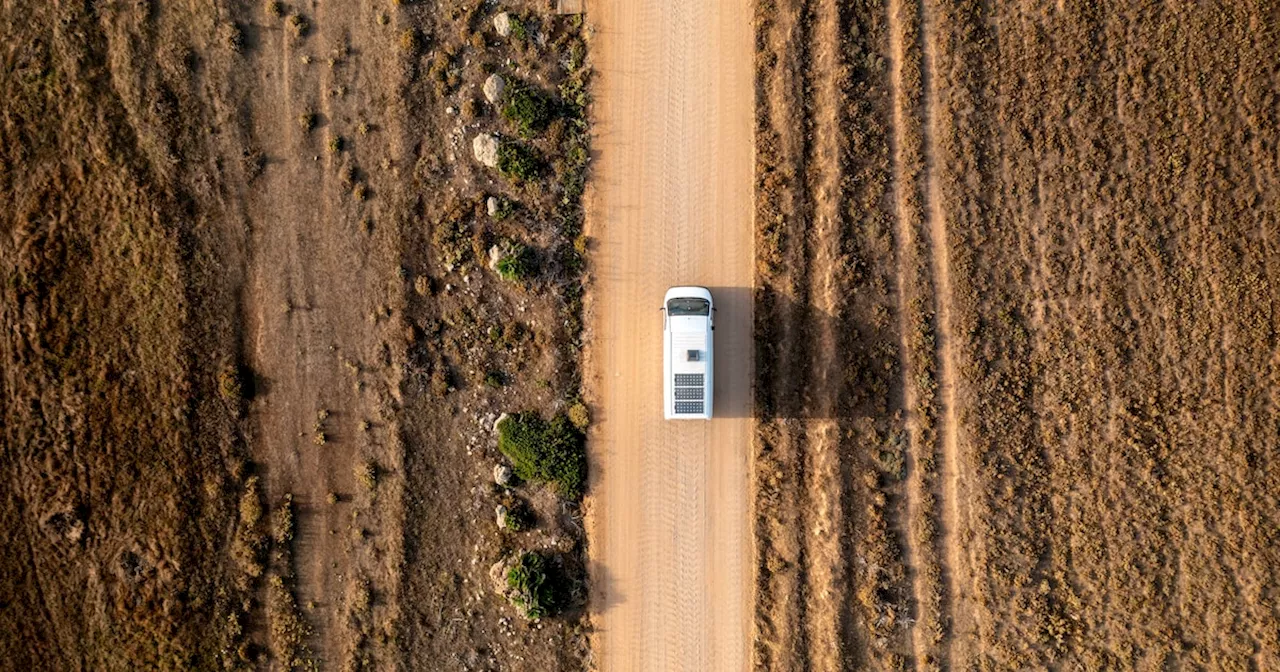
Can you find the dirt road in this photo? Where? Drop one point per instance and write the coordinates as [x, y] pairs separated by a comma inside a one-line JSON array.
[[671, 204]]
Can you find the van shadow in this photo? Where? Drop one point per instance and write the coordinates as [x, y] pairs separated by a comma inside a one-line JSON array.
[[731, 347], [811, 364], [768, 360]]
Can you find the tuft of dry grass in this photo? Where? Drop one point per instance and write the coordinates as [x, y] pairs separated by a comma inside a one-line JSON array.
[[299, 26], [366, 473], [307, 121]]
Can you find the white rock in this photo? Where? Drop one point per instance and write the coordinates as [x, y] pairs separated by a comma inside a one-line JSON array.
[[503, 475], [502, 24], [485, 148], [500, 512], [492, 205], [493, 88]]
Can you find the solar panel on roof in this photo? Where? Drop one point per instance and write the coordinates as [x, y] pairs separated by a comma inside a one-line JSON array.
[[689, 380], [689, 393]]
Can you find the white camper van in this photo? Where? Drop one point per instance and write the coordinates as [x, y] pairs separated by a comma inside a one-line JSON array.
[[687, 325]]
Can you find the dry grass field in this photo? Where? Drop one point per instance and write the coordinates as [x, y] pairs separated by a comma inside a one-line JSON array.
[[1023, 257], [253, 345]]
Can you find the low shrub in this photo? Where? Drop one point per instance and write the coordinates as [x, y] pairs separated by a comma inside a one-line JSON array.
[[519, 162], [579, 415], [410, 42], [551, 451], [247, 549], [233, 35], [299, 26], [282, 521], [288, 631], [531, 590], [517, 263], [250, 503], [528, 110], [451, 239], [366, 473]]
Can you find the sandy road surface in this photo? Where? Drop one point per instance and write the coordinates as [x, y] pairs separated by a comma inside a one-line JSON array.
[[670, 204]]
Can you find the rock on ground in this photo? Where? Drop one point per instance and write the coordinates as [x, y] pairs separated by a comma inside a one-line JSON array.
[[493, 88], [498, 575], [502, 24], [502, 474], [501, 513], [485, 148]]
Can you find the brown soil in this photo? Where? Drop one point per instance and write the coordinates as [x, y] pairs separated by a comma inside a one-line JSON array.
[[236, 358], [1058, 336]]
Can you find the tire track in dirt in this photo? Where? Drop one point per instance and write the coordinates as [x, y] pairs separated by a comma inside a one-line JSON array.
[[906, 215], [827, 570], [949, 531]]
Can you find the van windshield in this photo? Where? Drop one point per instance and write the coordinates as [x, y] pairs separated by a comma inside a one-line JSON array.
[[686, 307]]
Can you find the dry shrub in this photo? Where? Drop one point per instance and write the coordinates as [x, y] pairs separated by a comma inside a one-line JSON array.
[[299, 26], [288, 630], [282, 520], [366, 473]]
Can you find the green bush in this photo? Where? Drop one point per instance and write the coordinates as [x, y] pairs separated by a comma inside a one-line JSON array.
[[518, 29], [505, 209], [531, 590], [518, 517], [528, 110], [516, 263], [518, 162], [545, 451]]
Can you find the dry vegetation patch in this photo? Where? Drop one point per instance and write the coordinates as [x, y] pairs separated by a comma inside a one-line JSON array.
[[145, 298], [1083, 290], [117, 436]]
